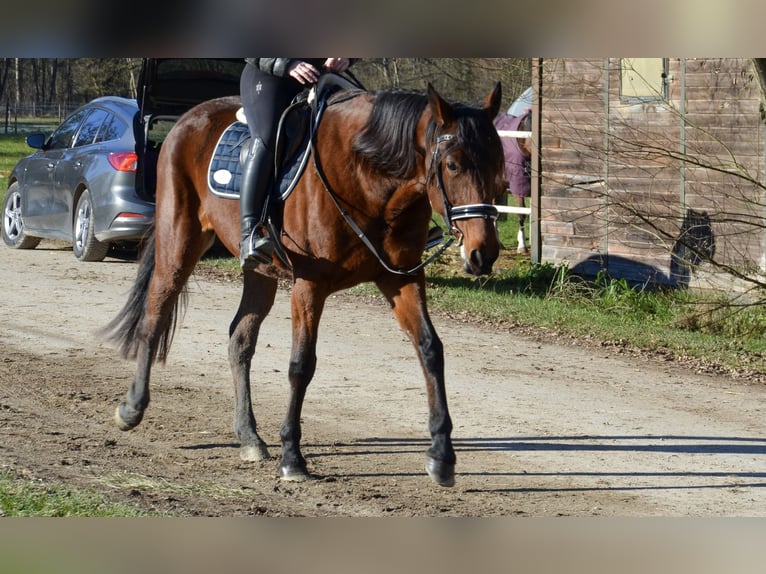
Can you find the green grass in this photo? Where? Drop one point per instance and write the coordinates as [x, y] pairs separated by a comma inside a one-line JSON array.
[[25, 497], [12, 149], [13, 145], [675, 322]]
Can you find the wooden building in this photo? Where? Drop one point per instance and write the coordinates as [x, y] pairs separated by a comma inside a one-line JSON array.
[[651, 169]]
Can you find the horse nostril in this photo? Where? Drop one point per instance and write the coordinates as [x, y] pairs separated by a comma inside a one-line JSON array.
[[477, 259], [474, 263]]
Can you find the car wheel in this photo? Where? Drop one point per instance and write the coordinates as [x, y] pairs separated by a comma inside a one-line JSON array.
[[84, 243], [13, 224]]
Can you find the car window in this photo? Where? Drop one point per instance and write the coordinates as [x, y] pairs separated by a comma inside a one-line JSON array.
[[113, 128], [62, 137], [90, 127]]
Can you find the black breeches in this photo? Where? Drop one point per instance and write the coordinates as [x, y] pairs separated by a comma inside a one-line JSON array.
[[264, 98]]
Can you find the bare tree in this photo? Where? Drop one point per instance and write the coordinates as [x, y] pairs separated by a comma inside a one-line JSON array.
[[462, 79], [75, 81]]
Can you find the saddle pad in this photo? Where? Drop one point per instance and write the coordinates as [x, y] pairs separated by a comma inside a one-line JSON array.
[[225, 171], [224, 177]]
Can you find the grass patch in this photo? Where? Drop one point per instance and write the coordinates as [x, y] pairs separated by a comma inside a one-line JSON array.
[[13, 146], [610, 311], [24, 497], [161, 486], [12, 149]]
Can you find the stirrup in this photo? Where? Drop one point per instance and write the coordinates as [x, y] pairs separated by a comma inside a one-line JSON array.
[[254, 250]]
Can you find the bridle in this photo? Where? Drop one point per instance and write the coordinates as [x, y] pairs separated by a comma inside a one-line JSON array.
[[451, 212]]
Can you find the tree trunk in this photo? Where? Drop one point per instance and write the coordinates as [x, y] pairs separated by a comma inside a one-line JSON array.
[[17, 71]]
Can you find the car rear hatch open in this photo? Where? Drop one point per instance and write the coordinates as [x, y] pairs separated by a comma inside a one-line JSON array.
[[168, 87]]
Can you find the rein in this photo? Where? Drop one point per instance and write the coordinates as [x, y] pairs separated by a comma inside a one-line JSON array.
[[452, 213]]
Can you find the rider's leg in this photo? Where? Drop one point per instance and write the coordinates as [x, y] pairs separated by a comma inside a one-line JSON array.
[[264, 98], [257, 178]]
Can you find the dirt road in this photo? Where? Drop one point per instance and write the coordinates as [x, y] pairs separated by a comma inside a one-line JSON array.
[[541, 428]]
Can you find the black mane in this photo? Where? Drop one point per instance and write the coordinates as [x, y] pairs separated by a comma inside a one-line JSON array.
[[387, 142]]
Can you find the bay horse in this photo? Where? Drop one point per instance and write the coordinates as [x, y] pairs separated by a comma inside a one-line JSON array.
[[381, 160]]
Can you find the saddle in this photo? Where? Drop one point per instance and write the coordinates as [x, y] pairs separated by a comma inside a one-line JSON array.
[[293, 147]]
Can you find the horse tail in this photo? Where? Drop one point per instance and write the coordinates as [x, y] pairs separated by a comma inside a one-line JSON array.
[[125, 329]]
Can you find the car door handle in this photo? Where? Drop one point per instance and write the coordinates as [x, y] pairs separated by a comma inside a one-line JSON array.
[[51, 165], [77, 164]]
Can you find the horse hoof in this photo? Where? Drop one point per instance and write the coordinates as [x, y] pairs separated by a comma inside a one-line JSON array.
[[127, 417], [293, 474], [442, 473], [254, 453]]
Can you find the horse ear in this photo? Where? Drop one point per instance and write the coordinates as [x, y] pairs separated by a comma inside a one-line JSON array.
[[440, 109], [492, 103]]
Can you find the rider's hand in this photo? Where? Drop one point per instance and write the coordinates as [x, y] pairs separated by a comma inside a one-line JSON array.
[[304, 72], [337, 65]]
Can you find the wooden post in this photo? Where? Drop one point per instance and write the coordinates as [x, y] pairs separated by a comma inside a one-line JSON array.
[[535, 237]]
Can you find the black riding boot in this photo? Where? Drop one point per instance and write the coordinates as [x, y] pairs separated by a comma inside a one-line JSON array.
[[255, 247]]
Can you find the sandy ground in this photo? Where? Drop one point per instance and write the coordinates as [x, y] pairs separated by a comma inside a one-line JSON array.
[[542, 427]]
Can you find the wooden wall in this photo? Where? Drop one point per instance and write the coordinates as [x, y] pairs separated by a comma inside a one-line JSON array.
[[623, 183]]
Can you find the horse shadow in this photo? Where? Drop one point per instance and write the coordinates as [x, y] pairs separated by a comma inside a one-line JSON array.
[[659, 444], [668, 444], [695, 245]]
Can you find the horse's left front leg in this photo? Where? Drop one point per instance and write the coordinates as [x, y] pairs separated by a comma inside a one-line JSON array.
[[307, 306], [408, 301]]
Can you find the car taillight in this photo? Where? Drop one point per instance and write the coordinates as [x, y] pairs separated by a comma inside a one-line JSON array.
[[124, 161]]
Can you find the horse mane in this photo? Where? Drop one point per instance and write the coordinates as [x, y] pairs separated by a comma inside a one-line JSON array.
[[386, 144]]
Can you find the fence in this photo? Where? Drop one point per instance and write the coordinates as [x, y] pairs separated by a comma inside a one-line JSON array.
[[34, 117], [522, 246]]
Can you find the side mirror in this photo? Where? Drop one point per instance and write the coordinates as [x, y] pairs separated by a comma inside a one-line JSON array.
[[36, 141]]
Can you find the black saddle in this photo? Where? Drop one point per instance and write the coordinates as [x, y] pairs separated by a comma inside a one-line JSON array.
[[293, 142]]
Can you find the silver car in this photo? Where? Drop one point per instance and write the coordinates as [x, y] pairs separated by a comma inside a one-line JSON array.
[[91, 182]]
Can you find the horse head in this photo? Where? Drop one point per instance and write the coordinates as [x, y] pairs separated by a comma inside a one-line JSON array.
[[465, 175]]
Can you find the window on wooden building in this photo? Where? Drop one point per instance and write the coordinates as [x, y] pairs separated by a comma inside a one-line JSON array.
[[643, 79]]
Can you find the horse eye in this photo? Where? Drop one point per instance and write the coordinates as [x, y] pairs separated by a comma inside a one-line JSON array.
[[452, 166]]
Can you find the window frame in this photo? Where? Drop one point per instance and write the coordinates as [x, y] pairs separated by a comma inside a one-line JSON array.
[[93, 122], [105, 134], [657, 91]]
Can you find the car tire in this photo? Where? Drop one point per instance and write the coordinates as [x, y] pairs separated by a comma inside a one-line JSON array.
[[84, 243], [13, 223]]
